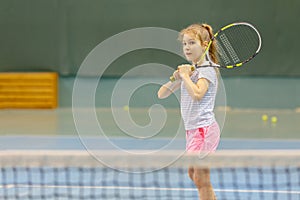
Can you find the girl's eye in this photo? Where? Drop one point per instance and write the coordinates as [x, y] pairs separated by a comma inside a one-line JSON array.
[[188, 43]]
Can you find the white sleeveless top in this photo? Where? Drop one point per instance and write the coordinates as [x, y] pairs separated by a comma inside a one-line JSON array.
[[196, 114]]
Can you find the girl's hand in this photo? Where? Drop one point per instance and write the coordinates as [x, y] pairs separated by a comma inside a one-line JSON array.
[[176, 75], [184, 70]]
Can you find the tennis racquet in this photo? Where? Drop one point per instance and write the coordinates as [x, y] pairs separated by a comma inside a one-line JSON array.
[[237, 44]]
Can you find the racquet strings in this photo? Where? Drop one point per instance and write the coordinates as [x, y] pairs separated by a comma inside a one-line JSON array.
[[237, 44]]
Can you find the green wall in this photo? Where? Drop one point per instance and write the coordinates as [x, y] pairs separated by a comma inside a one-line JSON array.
[[241, 92], [56, 35]]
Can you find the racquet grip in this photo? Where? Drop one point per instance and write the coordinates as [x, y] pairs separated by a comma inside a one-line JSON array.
[[172, 78]]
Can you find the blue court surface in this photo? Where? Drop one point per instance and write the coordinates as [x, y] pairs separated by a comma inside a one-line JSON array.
[[74, 183]]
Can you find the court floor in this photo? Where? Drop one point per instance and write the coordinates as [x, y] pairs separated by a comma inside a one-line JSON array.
[[235, 123], [56, 130]]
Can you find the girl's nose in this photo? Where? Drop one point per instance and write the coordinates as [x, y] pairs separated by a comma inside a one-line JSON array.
[[186, 47]]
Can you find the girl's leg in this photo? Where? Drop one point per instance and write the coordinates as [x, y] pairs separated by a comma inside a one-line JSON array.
[[201, 178]]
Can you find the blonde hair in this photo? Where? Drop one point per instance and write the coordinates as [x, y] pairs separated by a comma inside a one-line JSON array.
[[203, 33]]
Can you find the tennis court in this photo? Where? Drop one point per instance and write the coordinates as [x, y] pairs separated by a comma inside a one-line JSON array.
[[56, 165]]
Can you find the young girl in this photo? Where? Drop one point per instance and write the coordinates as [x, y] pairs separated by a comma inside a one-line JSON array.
[[198, 93]]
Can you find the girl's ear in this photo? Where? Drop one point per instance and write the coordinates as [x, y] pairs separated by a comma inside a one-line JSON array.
[[204, 44]]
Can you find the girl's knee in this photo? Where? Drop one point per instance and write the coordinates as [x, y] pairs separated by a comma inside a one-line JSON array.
[[191, 173], [201, 178]]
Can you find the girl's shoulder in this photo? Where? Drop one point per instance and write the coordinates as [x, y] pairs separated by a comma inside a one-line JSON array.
[[209, 70], [208, 73]]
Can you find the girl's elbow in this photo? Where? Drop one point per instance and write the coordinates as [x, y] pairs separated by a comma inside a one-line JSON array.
[[197, 97], [160, 96], [163, 93]]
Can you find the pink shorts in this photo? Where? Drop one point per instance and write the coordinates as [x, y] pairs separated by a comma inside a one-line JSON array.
[[204, 139]]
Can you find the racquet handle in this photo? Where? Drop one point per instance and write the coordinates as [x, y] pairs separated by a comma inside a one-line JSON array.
[[172, 78]]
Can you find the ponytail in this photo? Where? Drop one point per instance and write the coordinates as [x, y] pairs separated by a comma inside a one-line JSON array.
[[213, 48], [213, 53]]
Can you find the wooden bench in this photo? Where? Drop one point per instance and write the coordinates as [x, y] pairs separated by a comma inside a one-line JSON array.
[[29, 90]]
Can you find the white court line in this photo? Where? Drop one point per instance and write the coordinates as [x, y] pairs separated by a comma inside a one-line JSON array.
[[259, 191], [149, 188]]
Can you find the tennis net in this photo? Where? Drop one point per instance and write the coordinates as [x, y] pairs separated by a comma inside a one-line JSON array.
[[246, 174]]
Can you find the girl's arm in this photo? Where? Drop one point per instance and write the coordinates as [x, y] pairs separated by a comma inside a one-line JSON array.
[[168, 88], [196, 91]]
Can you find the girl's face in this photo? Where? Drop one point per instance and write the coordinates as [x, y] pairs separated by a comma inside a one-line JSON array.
[[192, 48]]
